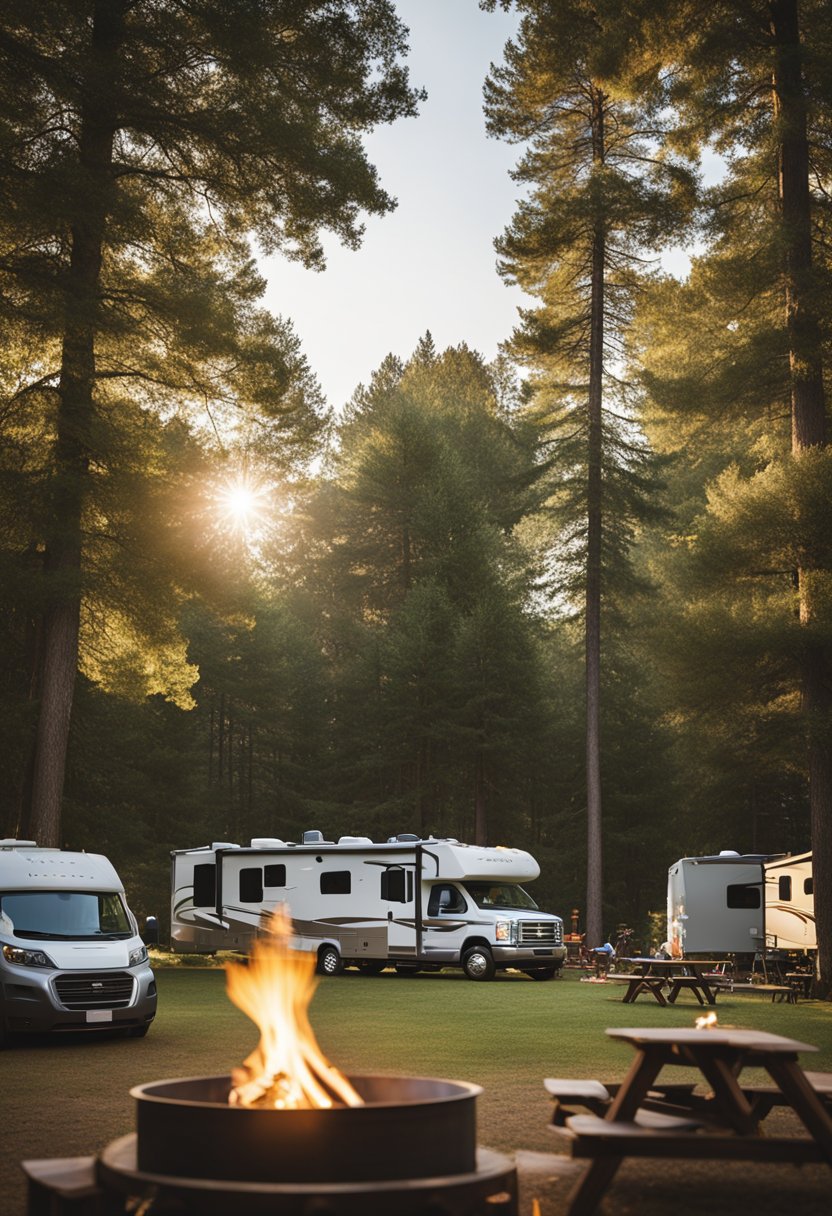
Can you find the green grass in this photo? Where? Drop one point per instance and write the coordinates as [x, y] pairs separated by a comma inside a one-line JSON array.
[[69, 1096]]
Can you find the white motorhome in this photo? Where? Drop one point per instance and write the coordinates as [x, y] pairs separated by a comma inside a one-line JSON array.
[[715, 905], [414, 904], [790, 904], [71, 957]]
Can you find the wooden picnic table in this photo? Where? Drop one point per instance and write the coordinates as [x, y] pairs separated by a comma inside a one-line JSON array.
[[733, 1119], [653, 974]]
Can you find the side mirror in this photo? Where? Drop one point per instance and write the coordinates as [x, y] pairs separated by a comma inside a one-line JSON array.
[[150, 936]]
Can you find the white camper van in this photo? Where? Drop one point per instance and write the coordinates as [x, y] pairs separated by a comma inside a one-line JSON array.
[[790, 904], [70, 953], [715, 905], [415, 904]]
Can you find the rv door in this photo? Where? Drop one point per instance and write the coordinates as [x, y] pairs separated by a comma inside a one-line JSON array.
[[398, 891]]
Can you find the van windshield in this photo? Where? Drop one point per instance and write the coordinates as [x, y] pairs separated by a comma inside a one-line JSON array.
[[64, 915], [500, 895]]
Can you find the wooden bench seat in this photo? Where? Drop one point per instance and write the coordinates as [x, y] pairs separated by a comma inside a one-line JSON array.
[[764, 1098], [778, 992], [570, 1093], [593, 1137]]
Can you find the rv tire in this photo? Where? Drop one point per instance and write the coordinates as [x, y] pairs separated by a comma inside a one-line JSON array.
[[478, 964], [329, 961]]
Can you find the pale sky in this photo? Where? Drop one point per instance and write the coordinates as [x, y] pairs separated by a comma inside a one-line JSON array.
[[430, 264]]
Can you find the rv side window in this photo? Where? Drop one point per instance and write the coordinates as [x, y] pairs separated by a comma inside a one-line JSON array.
[[205, 885], [336, 882], [784, 886], [807, 886], [742, 896], [397, 885], [274, 876], [251, 885]]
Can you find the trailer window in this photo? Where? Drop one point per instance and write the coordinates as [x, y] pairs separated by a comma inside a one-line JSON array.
[[205, 885], [274, 876], [251, 885], [741, 895], [784, 887], [336, 882], [397, 885], [807, 886]]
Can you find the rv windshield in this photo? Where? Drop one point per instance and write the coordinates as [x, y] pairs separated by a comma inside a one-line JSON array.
[[500, 895], [64, 915]]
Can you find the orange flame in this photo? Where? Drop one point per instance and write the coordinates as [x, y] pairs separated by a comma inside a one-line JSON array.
[[706, 1022], [287, 1069]]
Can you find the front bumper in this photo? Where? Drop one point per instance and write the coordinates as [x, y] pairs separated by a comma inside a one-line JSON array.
[[29, 1001], [520, 956]]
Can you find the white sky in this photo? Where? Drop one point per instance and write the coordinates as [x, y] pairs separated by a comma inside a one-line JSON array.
[[430, 264]]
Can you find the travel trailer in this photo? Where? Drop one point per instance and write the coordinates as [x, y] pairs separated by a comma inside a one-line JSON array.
[[71, 958], [715, 905], [741, 904], [790, 904], [410, 903]]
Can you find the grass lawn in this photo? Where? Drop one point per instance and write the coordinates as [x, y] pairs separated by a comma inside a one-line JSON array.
[[68, 1096]]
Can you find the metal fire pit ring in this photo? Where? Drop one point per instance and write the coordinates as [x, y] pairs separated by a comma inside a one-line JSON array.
[[409, 1128]]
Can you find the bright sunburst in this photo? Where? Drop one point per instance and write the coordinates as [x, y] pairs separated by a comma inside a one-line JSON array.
[[242, 504]]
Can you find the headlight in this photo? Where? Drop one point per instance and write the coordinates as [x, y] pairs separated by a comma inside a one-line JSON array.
[[26, 958], [139, 955], [502, 931]]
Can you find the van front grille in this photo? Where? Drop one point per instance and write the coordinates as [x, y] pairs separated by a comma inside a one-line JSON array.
[[95, 990], [541, 932]]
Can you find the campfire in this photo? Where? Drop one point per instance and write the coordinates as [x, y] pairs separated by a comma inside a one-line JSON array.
[[286, 1071], [707, 1021]]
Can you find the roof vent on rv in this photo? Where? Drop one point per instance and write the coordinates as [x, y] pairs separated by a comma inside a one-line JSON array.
[[313, 837], [404, 838], [223, 844], [728, 853], [354, 840], [267, 842]]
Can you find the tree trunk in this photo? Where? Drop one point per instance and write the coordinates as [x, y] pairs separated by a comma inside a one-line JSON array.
[[480, 804], [808, 412], [59, 655], [594, 869]]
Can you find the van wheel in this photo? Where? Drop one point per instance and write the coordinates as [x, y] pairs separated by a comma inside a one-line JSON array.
[[329, 961], [478, 964]]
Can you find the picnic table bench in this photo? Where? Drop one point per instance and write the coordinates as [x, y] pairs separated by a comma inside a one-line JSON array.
[[778, 992]]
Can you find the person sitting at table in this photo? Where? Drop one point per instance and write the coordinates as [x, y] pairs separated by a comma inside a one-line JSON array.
[[603, 959], [663, 951]]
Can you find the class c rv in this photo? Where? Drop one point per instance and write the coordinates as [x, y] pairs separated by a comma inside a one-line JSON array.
[[735, 903], [412, 904], [71, 958]]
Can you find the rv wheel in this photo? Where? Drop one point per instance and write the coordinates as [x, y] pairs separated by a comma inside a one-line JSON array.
[[330, 961], [478, 964]]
